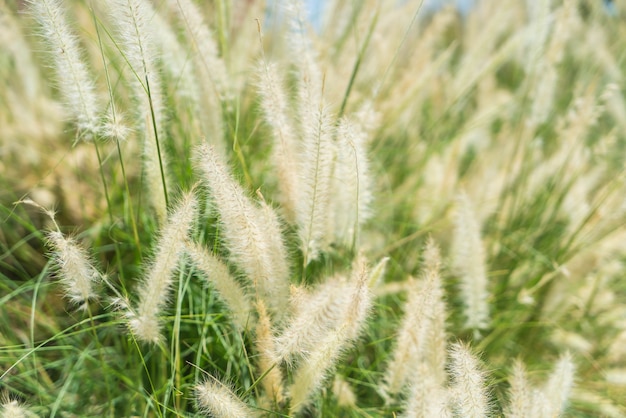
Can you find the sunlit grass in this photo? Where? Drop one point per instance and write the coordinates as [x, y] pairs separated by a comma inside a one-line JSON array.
[[497, 135]]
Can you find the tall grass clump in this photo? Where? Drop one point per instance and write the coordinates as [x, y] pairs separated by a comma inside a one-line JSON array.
[[384, 210]]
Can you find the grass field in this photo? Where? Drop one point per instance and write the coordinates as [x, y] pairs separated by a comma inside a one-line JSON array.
[[214, 209]]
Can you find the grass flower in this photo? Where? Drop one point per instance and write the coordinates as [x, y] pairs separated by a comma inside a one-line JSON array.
[[158, 279], [275, 107], [421, 336], [215, 84], [316, 150], [344, 393], [315, 314], [548, 401], [272, 381], [315, 370], [220, 278], [74, 268], [521, 402], [322, 357], [518, 105], [469, 386], [426, 397], [558, 387], [75, 83], [219, 401], [250, 233], [137, 44], [468, 262], [13, 409], [202, 41], [352, 184], [314, 184]]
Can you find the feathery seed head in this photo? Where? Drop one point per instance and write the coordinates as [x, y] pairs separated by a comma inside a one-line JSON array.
[[75, 269], [276, 113], [377, 273], [133, 20], [469, 386], [219, 401], [351, 189], [13, 409], [273, 381], [137, 44], [220, 278], [316, 313], [520, 394], [426, 396], [344, 393], [145, 328], [333, 339], [312, 373], [75, 82], [336, 304], [559, 385], [207, 58], [155, 286], [304, 55], [115, 129], [360, 299], [468, 262], [314, 183], [251, 233], [422, 335]]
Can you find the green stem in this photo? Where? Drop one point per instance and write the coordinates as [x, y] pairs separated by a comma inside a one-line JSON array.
[[357, 65]]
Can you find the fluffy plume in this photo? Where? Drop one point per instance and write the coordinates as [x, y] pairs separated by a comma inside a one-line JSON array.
[[175, 60], [541, 21], [333, 303], [360, 299], [322, 357], [316, 313], [558, 387], [526, 401], [75, 82], [378, 272], [436, 338], [249, 232], [155, 286], [344, 393], [272, 383], [275, 111], [276, 246], [521, 402], [311, 374], [313, 201], [13, 409], [218, 401], [410, 341], [228, 289], [469, 387], [468, 263], [421, 337], [133, 19], [426, 394], [75, 269], [305, 59], [214, 81], [203, 43], [426, 397], [317, 150], [352, 185]]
